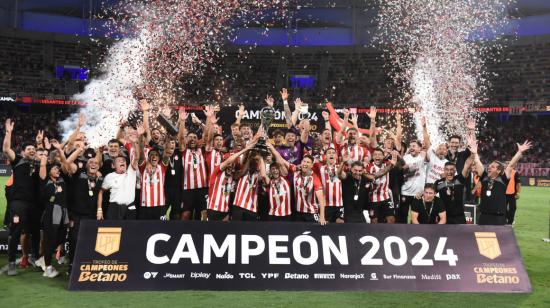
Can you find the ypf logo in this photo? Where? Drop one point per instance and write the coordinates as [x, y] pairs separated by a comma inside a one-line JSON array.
[[149, 275], [487, 243], [108, 240]]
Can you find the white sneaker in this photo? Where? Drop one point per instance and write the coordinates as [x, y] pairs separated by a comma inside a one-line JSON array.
[[62, 260], [40, 263], [50, 272]]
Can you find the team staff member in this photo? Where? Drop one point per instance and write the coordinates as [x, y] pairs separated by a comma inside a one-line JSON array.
[[451, 190], [428, 209], [23, 196], [512, 194], [56, 217], [355, 192], [173, 179], [122, 187], [494, 181]]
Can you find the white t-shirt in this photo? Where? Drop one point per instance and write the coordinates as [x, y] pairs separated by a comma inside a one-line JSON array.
[[415, 176], [122, 186], [436, 166]]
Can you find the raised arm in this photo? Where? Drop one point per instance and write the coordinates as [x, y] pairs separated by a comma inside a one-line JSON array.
[[467, 166], [326, 117], [211, 120], [182, 131], [145, 108], [297, 107], [67, 164], [425, 134], [81, 122], [43, 171], [278, 158], [398, 133], [286, 108], [341, 171], [240, 115], [521, 148], [306, 129], [6, 146], [372, 128], [472, 145], [339, 138], [40, 139]]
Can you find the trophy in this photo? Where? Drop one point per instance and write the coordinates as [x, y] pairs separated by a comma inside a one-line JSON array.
[[267, 114], [163, 120]]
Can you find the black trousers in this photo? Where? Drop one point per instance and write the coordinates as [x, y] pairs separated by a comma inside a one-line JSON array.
[[403, 209], [489, 219], [73, 231], [216, 215], [152, 213], [18, 223], [35, 225], [54, 235], [511, 206]]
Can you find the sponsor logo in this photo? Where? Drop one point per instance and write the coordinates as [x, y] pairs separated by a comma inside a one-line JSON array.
[[149, 275], [487, 244], [270, 275], [430, 277], [200, 275], [108, 241], [373, 276], [247, 276], [103, 271], [174, 276], [453, 277], [352, 276], [225, 275], [496, 273], [324, 276], [532, 181], [296, 276]]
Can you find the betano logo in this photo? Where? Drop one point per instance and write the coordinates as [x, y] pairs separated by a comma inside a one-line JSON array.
[[487, 243], [108, 241]]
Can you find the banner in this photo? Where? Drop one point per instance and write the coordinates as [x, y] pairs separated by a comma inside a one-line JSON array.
[[535, 181], [164, 255]]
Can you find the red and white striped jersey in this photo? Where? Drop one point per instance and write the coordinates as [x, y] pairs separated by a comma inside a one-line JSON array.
[[246, 196], [380, 190], [214, 158], [152, 185], [332, 186], [356, 152], [194, 169], [220, 188], [279, 197], [304, 191]]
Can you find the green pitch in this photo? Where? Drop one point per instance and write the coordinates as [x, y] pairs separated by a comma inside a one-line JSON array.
[[30, 289]]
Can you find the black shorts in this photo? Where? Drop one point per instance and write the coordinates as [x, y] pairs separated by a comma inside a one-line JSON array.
[[117, 211], [194, 199], [334, 212], [383, 209], [173, 201], [489, 219], [306, 217], [279, 218], [152, 213], [216, 215], [20, 214], [240, 214]]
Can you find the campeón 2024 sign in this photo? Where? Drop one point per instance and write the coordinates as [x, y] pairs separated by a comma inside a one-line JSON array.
[[160, 255]]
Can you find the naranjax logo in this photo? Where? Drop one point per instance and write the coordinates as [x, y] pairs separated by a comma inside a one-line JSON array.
[[108, 241]]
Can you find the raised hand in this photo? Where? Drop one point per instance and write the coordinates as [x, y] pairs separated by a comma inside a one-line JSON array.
[[195, 119], [325, 115], [144, 105], [284, 94], [81, 119], [182, 115], [472, 144], [346, 113], [471, 124], [372, 112], [525, 146], [354, 119], [9, 125], [40, 137], [167, 111], [140, 129], [47, 144], [56, 144], [269, 100], [423, 121], [394, 156]]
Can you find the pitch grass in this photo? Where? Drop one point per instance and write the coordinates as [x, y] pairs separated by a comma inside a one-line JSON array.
[[30, 289]]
